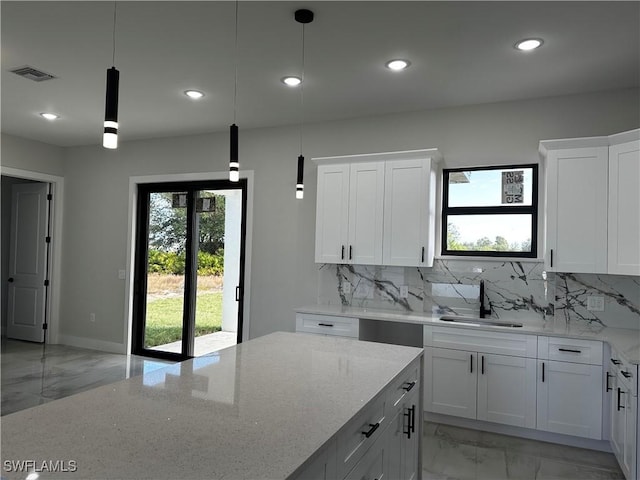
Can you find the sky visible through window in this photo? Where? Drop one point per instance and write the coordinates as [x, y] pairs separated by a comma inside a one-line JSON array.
[[485, 189]]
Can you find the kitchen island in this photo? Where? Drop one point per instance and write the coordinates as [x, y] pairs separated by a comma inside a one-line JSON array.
[[273, 407]]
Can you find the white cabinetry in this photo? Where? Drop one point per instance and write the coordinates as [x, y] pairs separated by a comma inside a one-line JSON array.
[[624, 208], [376, 209], [570, 387], [623, 387], [349, 213], [593, 204], [481, 383], [327, 325]]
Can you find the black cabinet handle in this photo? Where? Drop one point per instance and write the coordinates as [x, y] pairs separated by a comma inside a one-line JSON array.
[[626, 374], [615, 362], [408, 386], [350, 252], [551, 258], [482, 366], [422, 257], [542, 372], [411, 421], [608, 377], [325, 324], [569, 350], [374, 427], [619, 393], [471, 363], [342, 254]]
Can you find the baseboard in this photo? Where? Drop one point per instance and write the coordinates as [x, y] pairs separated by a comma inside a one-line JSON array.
[[92, 344], [601, 445]]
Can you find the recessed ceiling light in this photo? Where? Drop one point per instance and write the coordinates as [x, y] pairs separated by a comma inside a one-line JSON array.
[[195, 94], [529, 44], [292, 81], [49, 116], [397, 64]]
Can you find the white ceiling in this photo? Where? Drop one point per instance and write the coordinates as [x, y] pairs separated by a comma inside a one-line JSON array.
[[461, 53]]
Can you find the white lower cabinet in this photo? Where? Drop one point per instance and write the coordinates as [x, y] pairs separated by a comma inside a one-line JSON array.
[[494, 388], [570, 398]]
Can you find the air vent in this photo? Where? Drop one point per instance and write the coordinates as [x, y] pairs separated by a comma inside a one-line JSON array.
[[32, 73]]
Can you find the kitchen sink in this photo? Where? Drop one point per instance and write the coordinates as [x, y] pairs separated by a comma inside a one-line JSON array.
[[480, 321]]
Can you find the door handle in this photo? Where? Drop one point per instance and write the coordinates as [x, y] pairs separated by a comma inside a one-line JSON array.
[[342, 254], [471, 363], [422, 257], [10, 279], [350, 252], [482, 366], [408, 386], [542, 372], [238, 293], [551, 258], [374, 427], [620, 407], [608, 377]]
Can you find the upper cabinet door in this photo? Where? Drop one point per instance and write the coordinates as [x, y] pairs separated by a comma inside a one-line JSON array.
[[409, 213], [332, 213], [577, 210], [624, 208], [366, 200]]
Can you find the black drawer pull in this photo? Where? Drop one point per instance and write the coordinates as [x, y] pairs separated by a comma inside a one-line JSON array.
[[615, 362], [471, 363], [482, 366], [374, 427], [620, 392], [325, 324], [408, 386], [342, 254], [422, 257], [608, 377], [626, 374], [569, 350], [350, 252], [542, 372]]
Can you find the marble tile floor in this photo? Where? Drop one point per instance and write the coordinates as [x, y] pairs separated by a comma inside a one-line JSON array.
[[28, 378], [454, 453]]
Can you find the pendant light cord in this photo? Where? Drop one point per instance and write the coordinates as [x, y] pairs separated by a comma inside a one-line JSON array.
[[235, 87], [113, 59], [302, 92]]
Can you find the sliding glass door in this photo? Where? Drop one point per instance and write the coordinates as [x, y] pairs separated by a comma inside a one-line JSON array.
[[189, 268]]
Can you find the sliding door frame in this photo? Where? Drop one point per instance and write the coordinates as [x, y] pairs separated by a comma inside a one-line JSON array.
[[137, 228]]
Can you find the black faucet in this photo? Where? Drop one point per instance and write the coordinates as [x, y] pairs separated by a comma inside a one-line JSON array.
[[483, 311]]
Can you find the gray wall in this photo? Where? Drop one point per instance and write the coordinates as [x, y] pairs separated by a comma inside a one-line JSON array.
[[283, 274], [16, 152]]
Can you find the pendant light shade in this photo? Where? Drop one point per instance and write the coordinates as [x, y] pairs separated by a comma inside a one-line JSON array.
[[234, 165], [299, 182], [303, 17], [110, 136]]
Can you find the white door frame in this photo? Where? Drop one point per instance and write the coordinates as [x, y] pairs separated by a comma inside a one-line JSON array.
[[55, 259], [131, 241]]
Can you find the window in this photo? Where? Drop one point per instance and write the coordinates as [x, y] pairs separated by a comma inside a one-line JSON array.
[[490, 211]]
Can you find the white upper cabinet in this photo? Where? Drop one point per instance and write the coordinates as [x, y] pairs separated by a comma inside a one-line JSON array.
[[409, 213], [593, 204], [376, 209], [624, 208]]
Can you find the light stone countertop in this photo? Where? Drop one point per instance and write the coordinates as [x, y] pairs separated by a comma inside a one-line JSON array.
[[255, 411], [625, 341]]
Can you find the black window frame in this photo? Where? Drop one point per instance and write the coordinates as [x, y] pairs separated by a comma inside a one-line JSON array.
[[491, 210]]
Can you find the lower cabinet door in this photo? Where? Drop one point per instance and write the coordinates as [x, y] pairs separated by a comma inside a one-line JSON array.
[[617, 421], [570, 398], [628, 462], [507, 390], [450, 382], [403, 435]]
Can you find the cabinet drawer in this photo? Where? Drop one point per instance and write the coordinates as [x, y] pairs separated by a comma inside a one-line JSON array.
[[353, 441], [570, 350], [629, 371], [406, 384], [327, 325], [514, 344], [371, 465]]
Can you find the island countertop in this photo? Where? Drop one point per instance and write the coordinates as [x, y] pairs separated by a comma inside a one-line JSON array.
[[255, 411]]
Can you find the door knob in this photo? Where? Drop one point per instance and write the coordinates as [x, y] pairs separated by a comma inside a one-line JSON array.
[[10, 279]]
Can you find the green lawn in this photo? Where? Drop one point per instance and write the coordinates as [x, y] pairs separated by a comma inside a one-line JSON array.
[[164, 318]]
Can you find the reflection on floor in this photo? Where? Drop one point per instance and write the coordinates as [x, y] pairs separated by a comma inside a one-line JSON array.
[[204, 344], [450, 453], [30, 379]]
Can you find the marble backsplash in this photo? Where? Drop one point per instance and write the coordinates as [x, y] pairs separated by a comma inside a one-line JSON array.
[[515, 290]]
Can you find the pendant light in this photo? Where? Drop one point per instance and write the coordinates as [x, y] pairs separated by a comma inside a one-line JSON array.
[[303, 17], [110, 136], [234, 164]]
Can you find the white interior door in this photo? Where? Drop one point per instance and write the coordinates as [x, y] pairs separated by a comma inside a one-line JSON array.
[[27, 262]]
